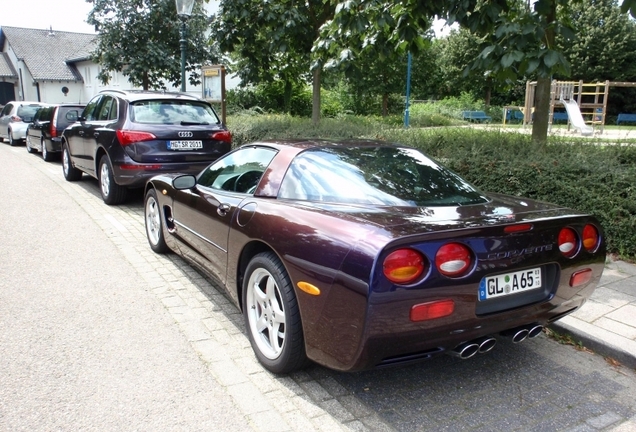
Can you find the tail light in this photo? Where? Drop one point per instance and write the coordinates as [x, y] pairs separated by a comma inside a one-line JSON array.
[[52, 128], [568, 242], [224, 136], [590, 238], [453, 259], [404, 266], [130, 137], [15, 118]]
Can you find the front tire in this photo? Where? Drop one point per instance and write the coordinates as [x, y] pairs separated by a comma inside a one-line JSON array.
[[70, 172], [271, 314], [154, 223], [112, 193]]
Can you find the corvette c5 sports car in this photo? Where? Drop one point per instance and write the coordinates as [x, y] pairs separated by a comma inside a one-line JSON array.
[[363, 254]]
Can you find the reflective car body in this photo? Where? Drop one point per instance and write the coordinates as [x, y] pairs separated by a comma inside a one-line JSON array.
[[45, 133], [15, 118], [123, 138], [391, 257]]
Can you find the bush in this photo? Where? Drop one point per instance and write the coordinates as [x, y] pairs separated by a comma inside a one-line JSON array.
[[581, 174]]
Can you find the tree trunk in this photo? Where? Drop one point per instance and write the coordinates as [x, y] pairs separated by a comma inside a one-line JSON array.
[[315, 108], [541, 111], [146, 82], [385, 104], [542, 103], [287, 94]]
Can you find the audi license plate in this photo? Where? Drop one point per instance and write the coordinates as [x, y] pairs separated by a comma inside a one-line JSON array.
[[509, 283], [185, 145]]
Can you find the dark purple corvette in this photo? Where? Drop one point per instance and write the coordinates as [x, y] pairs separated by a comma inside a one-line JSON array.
[[363, 254]]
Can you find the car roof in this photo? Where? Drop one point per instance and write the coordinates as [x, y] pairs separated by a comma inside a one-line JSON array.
[[136, 95]]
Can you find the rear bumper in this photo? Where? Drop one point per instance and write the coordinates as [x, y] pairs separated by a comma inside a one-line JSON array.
[[391, 338]]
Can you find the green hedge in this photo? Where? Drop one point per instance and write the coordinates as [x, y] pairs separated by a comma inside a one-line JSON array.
[[591, 176]]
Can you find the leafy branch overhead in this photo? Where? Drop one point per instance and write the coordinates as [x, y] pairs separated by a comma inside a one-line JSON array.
[[140, 38]]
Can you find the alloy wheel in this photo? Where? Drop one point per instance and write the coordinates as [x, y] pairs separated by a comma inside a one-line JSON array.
[[266, 313]]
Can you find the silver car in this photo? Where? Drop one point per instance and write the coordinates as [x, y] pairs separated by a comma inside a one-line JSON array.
[[15, 118]]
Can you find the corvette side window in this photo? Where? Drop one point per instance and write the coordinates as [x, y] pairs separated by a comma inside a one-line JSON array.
[[239, 171]]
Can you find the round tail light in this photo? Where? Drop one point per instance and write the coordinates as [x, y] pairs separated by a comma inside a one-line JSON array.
[[568, 242], [404, 266], [590, 238], [453, 259]]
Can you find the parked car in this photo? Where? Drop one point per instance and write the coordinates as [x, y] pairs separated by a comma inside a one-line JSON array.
[[45, 133], [365, 254], [123, 138], [14, 119]]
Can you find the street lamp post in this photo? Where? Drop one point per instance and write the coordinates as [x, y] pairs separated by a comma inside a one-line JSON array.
[[184, 10]]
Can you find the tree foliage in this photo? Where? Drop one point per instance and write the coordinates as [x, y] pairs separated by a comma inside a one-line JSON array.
[[604, 47], [140, 38], [270, 40]]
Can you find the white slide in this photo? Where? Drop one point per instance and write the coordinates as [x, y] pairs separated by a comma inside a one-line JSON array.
[[574, 114]]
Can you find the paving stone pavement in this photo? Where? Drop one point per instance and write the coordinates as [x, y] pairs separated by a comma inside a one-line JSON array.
[[535, 386]]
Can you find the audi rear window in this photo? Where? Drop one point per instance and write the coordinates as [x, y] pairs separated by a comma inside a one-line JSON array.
[[174, 112]]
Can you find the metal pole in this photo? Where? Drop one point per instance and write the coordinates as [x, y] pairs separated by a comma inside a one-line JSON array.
[[184, 45], [408, 90]]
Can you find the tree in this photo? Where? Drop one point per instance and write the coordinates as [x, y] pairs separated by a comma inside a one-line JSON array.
[[273, 40], [605, 44], [519, 36], [140, 38]]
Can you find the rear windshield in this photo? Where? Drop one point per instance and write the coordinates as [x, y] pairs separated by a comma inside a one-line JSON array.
[[173, 112], [385, 176], [27, 112]]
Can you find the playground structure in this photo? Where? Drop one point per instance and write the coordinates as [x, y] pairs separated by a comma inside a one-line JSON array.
[[585, 104]]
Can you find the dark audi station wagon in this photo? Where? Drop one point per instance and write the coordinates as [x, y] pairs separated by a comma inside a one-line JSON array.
[[123, 138]]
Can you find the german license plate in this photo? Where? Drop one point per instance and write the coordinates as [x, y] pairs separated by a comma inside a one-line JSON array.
[[509, 283], [185, 145]]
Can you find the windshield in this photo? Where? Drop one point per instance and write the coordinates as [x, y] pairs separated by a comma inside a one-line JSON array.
[[388, 176], [173, 112]]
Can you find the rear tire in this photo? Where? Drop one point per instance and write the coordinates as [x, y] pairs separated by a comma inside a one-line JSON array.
[[46, 155], [272, 316], [27, 143], [12, 142], [112, 193], [154, 223], [70, 172]]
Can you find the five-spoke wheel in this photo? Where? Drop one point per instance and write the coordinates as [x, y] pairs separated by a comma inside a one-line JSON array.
[[271, 315]]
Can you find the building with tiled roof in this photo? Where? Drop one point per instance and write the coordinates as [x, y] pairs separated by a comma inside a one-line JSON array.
[[54, 67], [39, 63]]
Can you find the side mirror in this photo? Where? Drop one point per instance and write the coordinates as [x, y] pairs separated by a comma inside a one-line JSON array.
[[82, 119], [184, 182]]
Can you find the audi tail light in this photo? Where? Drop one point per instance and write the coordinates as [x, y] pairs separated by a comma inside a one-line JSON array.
[[404, 266], [130, 137], [224, 136], [568, 242], [453, 259]]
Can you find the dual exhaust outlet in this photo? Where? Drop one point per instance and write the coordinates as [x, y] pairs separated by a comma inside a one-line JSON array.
[[485, 344]]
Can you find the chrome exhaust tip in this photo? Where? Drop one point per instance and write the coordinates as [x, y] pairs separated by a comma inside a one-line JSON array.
[[465, 351], [486, 344], [534, 330], [517, 335]]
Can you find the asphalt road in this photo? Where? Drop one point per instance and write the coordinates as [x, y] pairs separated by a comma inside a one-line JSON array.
[[99, 333]]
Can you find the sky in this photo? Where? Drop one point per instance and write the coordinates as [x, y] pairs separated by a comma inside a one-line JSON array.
[[63, 15]]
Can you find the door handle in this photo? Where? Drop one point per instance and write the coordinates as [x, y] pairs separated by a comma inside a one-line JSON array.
[[223, 208]]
